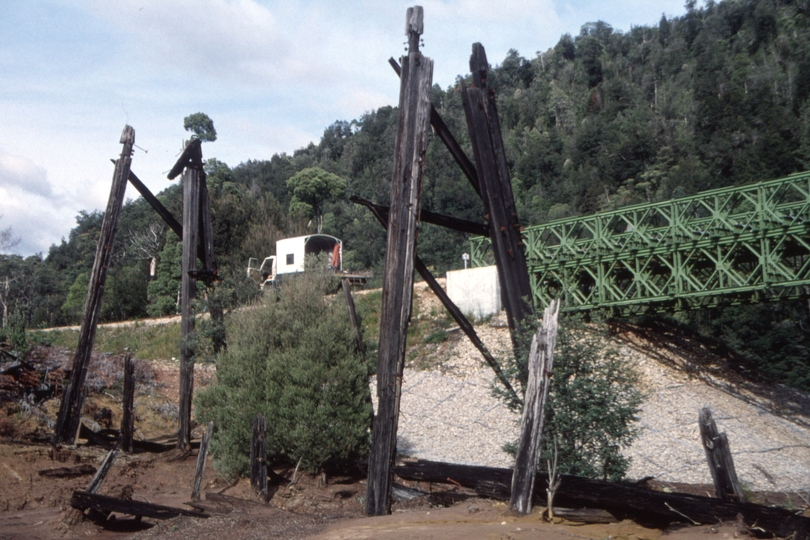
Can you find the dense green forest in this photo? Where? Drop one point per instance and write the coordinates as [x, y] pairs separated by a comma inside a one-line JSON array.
[[719, 96]]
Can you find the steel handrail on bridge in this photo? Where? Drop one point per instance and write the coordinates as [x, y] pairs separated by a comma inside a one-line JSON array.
[[720, 247]]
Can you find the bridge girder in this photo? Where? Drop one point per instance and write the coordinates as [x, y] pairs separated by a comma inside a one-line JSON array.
[[721, 247]]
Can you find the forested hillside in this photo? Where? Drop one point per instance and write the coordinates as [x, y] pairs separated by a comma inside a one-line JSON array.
[[719, 96]]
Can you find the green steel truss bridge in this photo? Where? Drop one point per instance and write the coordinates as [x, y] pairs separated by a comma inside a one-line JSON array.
[[721, 247]]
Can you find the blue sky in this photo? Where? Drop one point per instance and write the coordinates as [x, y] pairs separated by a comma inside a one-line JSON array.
[[271, 74]]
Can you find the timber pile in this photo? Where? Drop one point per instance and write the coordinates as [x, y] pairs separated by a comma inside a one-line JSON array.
[[646, 507], [39, 375]]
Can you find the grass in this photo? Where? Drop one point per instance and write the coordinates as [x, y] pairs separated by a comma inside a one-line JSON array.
[[159, 342], [147, 342]]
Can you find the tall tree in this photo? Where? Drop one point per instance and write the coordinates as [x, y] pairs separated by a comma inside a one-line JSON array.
[[311, 189], [201, 125]]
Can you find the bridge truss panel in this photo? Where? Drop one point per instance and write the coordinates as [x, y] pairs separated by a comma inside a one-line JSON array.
[[721, 247]]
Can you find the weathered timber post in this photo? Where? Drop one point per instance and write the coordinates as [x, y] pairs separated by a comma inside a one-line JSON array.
[[75, 515], [201, 455], [102, 471], [718, 454], [127, 416], [406, 185], [258, 457], [541, 361], [70, 411], [496, 194], [191, 165], [191, 210]]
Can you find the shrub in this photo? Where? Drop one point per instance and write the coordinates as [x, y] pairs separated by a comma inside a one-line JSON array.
[[291, 358], [592, 405]]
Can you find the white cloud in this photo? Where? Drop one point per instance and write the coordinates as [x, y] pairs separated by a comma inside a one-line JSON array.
[[29, 205], [22, 174]]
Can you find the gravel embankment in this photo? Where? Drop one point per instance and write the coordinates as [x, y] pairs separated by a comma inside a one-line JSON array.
[[451, 415]]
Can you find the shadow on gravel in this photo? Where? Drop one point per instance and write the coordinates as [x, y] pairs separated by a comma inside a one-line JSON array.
[[690, 354]]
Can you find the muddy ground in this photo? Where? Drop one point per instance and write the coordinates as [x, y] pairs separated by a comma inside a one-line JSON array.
[[34, 506]]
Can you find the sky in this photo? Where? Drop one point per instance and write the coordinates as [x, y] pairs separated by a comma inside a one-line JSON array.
[[271, 74]]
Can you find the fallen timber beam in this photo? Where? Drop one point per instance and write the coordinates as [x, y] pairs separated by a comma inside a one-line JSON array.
[[381, 213], [448, 222], [109, 438], [624, 501], [82, 500], [68, 472], [441, 129]]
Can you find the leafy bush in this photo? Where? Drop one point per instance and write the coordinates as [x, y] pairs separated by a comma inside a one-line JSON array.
[[592, 405], [13, 335], [162, 292], [291, 358]]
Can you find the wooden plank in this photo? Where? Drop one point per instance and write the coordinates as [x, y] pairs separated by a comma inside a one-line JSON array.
[[446, 136], [101, 503], [95, 483], [192, 178], [128, 416], [201, 455], [541, 362], [499, 204], [107, 440], [718, 455], [258, 457], [381, 213], [70, 410], [68, 472], [448, 222], [647, 507], [406, 185]]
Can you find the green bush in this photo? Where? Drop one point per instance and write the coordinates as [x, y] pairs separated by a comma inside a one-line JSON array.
[[592, 405], [291, 358]]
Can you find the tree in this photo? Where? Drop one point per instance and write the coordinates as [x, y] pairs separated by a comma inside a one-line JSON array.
[[292, 358], [311, 189], [76, 298], [162, 292], [7, 241], [592, 404], [201, 125]]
